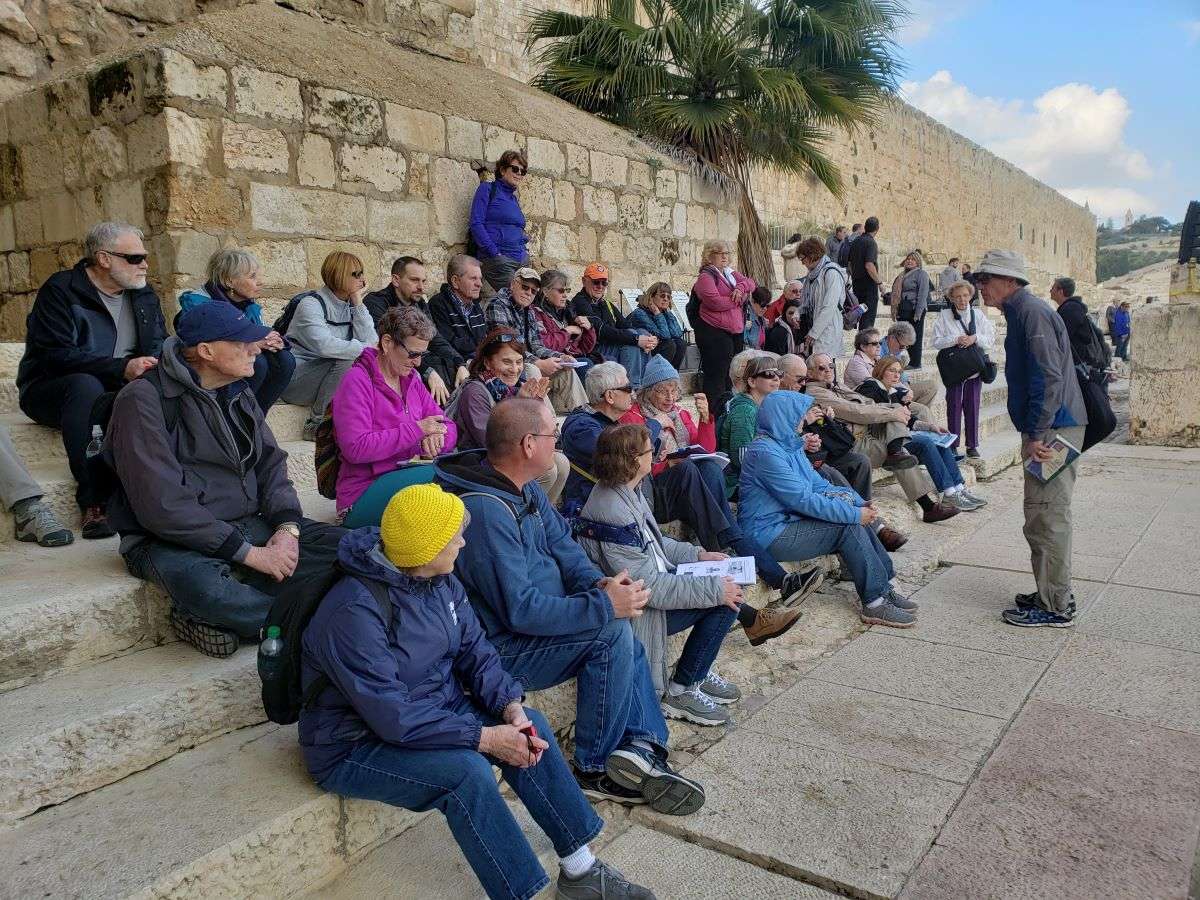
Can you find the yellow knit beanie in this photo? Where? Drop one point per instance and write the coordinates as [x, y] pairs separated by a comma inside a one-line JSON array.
[[418, 523]]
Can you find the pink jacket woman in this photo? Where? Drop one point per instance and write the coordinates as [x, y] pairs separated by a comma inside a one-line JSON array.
[[715, 289], [376, 427]]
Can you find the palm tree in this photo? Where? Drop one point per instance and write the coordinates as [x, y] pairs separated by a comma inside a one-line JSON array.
[[728, 85]]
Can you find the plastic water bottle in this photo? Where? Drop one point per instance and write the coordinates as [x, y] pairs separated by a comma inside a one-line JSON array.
[[270, 655], [96, 444]]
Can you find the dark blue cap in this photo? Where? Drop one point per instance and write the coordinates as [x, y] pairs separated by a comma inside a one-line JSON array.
[[217, 321]]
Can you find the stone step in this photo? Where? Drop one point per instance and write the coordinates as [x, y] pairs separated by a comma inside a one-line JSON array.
[[997, 452], [78, 731], [235, 817]]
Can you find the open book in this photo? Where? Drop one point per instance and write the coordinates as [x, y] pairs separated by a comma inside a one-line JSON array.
[[696, 453], [1065, 453], [945, 440], [739, 568]]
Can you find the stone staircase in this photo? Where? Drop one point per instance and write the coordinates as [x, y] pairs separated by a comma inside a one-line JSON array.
[[131, 766]]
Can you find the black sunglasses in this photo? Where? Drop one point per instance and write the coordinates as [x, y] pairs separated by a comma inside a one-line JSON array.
[[356, 274], [768, 373], [134, 259], [414, 354], [872, 343], [600, 282], [624, 389], [517, 170]]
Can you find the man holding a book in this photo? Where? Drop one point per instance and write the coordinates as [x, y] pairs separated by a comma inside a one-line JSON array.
[[1046, 407]]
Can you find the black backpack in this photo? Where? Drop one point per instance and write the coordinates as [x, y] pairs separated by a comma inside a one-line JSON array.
[[472, 245], [692, 310], [101, 475], [282, 696], [843, 259], [289, 312]]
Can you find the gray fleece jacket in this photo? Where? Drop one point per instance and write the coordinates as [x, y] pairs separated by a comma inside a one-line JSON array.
[[325, 327]]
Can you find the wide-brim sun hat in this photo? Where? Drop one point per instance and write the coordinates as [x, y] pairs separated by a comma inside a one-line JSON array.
[[1006, 263]]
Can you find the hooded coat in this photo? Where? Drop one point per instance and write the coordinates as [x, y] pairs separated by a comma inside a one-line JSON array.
[[402, 684], [778, 485]]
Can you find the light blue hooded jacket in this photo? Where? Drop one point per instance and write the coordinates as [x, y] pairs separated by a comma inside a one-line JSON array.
[[778, 484]]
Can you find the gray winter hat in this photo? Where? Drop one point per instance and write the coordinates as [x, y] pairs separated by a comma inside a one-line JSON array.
[[1003, 262]]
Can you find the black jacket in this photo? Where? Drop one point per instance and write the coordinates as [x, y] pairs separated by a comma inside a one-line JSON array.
[[70, 331], [462, 334], [440, 358], [1087, 342], [612, 326], [218, 464]]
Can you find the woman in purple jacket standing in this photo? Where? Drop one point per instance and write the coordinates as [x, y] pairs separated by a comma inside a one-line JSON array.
[[497, 223], [384, 417]]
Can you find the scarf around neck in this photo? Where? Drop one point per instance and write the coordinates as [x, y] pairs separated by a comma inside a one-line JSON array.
[[669, 438]]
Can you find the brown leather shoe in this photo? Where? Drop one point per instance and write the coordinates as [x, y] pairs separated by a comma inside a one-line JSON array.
[[939, 512], [900, 460], [95, 524], [891, 539], [772, 621]]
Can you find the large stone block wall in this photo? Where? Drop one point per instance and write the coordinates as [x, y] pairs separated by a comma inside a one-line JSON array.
[[205, 151]]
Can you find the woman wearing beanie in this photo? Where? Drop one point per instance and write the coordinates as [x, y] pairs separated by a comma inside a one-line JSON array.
[[498, 374], [393, 723], [658, 399], [617, 531], [383, 417]]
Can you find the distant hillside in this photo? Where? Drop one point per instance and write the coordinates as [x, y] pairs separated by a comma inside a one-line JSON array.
[[1142, 244]]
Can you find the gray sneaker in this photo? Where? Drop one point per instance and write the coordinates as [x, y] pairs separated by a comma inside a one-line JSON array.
[[899, 601], [37, 522], [718, 690], [309, 433], [600, 882], [887, 613], [694, 706], [978, 501], [960, 501]]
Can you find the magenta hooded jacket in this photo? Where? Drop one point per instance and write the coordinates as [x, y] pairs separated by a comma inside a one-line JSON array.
[[376, 428]]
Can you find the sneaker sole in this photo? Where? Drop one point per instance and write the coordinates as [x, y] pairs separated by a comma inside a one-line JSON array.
[[32, 539], [1067, 624], [721, 701], [872, 620], [793, 600], [600, 795], [670, 794], [671, 712]]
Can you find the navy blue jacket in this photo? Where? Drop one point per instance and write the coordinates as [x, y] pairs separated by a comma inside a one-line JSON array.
[[1043, 389], [521, 567], [70, 331], [580, 431], [402, 685]]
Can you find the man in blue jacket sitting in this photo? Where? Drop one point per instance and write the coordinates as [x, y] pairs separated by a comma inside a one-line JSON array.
[[553, 616]]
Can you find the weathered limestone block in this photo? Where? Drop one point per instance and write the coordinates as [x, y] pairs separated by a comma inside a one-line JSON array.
[[254, 149], [18, 59], [383, 168], [59, 221], [13, 21], [695, 223], [27, 216], [560, 243], [496, 140], [608, 169], [314, 164], [727, 224], [170, 137], [102, 155], [183, 78], [288, 210], [683, 183], [631, 212], [658, 214], [122, 201], [1164, 396], [599, 205], [665, 184], [546, 156], [566, 205], [282, 262], [18, 272], [612, 249], [192, 250], [577, 161], [267, 95], [344, 113], [537, 197], [640, 175], [453, 187], [404, 222], [8, 234], [415, 128], [41, 165], [27, 117], [587, 244], [464, 139]]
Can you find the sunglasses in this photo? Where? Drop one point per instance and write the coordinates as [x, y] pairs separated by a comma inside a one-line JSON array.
[[356, 274], [414, 354], [822, 368], [517, 170], [872, 343], [600, 282], [134, 259], [768, 373], [624, 389]]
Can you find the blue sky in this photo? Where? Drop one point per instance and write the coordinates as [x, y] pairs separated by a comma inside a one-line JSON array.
[[1100, 100]]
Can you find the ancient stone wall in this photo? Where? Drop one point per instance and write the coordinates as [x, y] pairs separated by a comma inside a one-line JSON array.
[[217, 139]]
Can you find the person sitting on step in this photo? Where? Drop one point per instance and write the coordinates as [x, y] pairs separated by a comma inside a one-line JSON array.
[[800, 515], [617, 338], [384, 419], [205, 507], [391, 720], [655, 315], [34, 520], [899, 338], [739, 424], [553, 616], [617, 531], [330, 328], [455, 308]]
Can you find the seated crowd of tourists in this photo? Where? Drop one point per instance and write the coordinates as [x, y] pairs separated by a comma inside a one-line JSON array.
[[517, 554]]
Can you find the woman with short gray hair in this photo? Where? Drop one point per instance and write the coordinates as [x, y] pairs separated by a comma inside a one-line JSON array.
[[235, 277]]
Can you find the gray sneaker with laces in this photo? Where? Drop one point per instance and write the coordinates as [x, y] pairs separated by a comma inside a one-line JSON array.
[[600, 882], [35, 521], [978, 501], [887, 613], [718, 690], [694, 706], [960, 501], [899, 601]]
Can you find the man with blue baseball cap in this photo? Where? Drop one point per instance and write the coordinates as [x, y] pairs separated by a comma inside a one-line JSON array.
[[205, 508]]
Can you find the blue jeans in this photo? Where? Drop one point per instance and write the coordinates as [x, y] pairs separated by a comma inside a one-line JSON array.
[[709, 628], [273, 371], [631, 356], [615, 697], [229, 595], [940, 462], [460, 784], [857, 545]]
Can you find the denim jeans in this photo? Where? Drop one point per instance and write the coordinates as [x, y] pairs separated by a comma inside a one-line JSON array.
[[273, 371], [229, 595], [615, 697], [460, 784], [709, 628], [939, 461], [631, 356], [857, 545]]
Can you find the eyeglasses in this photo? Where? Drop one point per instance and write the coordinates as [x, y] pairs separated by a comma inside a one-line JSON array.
[[872, 343], [557, 433], [983, 278], [624, 389], [356, 274], [645, 452], [768, 373], [600, 282], [134, 259], [517, 170]]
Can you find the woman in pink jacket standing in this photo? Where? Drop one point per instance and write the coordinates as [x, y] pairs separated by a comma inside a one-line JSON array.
[[384, 418], [723, 293]]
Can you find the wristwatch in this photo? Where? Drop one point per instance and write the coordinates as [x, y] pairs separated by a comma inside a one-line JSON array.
[[291, 528]]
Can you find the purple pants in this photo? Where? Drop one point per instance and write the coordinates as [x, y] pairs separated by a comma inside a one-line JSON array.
[[962, 400]]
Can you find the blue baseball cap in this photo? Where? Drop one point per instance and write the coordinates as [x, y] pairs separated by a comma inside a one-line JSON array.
[[217, 321]]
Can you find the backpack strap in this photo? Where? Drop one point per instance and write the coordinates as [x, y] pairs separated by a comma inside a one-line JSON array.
[[605, 533], [379, 593], [508, 507]]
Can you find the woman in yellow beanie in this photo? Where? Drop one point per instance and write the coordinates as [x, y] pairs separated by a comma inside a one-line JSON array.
[[395, 725]]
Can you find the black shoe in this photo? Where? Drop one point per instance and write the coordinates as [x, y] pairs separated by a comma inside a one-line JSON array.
[[900, 460], [799, 586], [208, 639], [665, 789], [95, 524], [598, 786], [1029, 601], [972, 453]]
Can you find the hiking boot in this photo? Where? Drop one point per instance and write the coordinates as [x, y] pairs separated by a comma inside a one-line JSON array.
[[899, 601], [718, 690], [208, 639], [960, 501], [1028, 601], [642, 769], [899, 461], [598, 786], [887, 613], [772, 621], [95, 524], [891, 539], [939, 512], [309, 432], [1035, 617], [799, 586], [600, 882], [37, 522], [972, 453], [693, 705]]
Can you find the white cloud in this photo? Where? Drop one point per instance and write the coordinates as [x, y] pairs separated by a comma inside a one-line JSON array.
[[924, 16], [1192, 30], [1072, 137]]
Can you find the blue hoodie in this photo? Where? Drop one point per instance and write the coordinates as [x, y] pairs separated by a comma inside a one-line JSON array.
[[778, 484], [403, 685], [521, 567], [497, 223]]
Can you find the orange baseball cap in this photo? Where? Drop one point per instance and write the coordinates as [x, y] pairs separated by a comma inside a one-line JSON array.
[[596, 270]]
